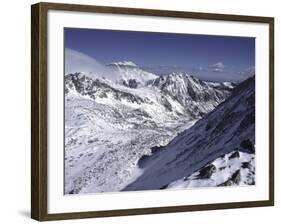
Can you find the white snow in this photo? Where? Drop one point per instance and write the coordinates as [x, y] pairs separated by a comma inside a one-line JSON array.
[[108, 131], [225, 168], [124, 63], [128, 70], [103, 147], [79, 62], [219, 132]]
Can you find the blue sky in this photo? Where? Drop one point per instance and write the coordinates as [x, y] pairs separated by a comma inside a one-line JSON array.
[[217, 58]]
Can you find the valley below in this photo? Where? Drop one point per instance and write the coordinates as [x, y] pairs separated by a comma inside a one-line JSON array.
[[135, 130]]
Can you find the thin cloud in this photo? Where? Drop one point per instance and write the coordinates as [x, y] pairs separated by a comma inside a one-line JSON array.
[[76, 61], [217, 67], [250, 71]]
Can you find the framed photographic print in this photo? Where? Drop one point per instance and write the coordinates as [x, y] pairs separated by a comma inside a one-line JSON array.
[[138, 111]]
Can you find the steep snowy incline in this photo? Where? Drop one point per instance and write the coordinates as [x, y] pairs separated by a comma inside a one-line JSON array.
[[232, 169], [110, 126], [118, 113], [230, 127]]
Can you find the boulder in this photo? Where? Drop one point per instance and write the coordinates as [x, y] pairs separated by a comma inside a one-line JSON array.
[[207, 171]]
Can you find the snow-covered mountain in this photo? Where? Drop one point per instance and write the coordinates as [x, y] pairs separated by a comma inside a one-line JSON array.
[[196, 96], [131, 74], [174, 94], [124, 64], [109, 126], [94, 88], [228, 129], [121, 119], [116, 72]]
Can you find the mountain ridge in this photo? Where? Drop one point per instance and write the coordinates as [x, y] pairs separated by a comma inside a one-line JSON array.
[[110, 126], [228, 127]]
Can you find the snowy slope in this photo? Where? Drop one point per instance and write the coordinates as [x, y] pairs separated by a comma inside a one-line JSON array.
[[230, 127], [110, 126], [124, 64], [197, 97], [107, 130], [129, 71], [232, 169]]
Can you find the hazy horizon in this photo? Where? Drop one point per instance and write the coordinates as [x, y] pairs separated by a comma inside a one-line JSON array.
[[214, 58]]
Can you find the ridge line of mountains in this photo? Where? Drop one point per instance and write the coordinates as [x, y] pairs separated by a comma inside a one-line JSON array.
[[140, 131]]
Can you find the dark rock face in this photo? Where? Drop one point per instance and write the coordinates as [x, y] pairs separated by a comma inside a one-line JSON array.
[[131, 83], [207, 171], [142, 161], [234, 180], [166, 104], [234, 155], [190, 92], [95, 88], [157, 149], [246, 165], [226, 183], [196, 97], [139, 112], [186, 87], [214, 135], [248, 145], [164, 187], [236, 177]]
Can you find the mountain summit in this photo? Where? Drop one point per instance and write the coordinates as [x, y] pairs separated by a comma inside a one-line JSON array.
[[123, 63], [131, 73]]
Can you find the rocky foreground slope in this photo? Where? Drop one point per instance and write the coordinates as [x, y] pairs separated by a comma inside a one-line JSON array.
[[111, 123], [217, 151]]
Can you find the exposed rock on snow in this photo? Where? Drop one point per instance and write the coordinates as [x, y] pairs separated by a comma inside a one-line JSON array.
[[229, 127], [109, 126], [227, 170], [198, 97], [128, 70]]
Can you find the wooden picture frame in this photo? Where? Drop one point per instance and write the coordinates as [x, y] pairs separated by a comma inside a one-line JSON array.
[[39, 110]]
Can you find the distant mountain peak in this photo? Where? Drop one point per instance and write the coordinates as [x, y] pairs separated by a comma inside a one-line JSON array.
[[128, 70], [124, 64], [179, 75]]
